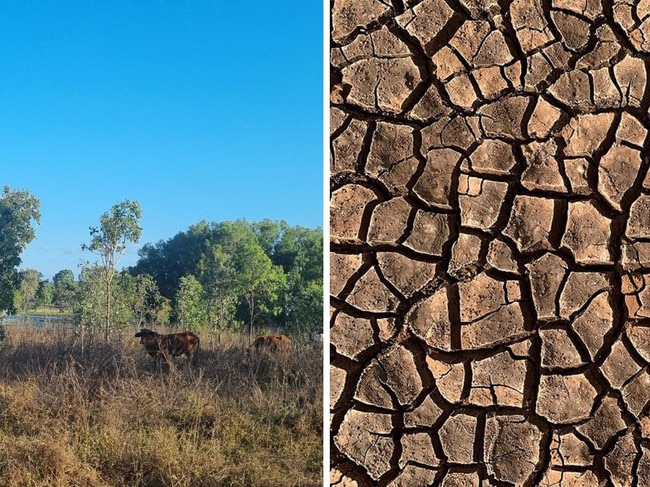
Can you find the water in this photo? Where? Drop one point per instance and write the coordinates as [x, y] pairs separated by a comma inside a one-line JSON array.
[[38, 321]]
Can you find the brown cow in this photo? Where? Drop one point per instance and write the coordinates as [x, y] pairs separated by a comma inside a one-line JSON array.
[[272, 343], [168, 346]]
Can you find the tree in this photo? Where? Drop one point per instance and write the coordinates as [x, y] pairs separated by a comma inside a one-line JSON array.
[[88, 304], [259, 274], [304, 307], [257, 279], [300, 250], [216, 274], [147, 306], [25, 295], [189, 304], [168, 261], [268, 234], [300, 253], [65, 289], [18, 209], [117, 227], [263, 286], [44, 294]]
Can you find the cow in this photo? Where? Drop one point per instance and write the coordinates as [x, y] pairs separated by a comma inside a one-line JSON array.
[[273, 343], [168, 346]]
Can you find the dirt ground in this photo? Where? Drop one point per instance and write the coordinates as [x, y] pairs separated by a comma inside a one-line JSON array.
[[490, 243]]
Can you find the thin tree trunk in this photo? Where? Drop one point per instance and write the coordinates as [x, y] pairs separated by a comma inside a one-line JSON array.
[[83, 328], [107, 323], [251, 307]]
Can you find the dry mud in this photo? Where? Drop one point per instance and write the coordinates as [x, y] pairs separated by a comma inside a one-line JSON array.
[[490, 243]]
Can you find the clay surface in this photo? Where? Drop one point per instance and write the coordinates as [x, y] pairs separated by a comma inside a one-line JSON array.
[[490, 243]]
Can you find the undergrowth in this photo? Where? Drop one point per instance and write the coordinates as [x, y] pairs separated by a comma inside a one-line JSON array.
[[106, 415]]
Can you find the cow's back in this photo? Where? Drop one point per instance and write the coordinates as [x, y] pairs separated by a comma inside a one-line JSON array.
[[168, 346], [271, 342], [184, 343], [283, 342]]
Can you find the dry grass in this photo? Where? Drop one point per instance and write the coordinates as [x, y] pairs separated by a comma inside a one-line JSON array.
[[109, 417]]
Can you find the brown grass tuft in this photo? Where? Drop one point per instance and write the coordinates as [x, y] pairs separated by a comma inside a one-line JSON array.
[[109, 417]]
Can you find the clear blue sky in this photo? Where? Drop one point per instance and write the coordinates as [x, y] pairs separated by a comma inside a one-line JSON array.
[[200, 110]]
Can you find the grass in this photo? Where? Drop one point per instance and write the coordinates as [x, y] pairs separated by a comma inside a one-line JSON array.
[[110, 417]]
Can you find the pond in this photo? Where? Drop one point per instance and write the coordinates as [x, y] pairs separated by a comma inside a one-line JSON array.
[[36, 320]]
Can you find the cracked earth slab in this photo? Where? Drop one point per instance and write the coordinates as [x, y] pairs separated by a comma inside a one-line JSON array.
[[490, 243]]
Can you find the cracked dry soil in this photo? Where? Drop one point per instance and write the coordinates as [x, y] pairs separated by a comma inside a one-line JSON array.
[[490, 243]]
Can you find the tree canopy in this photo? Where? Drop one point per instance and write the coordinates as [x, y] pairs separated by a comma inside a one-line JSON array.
[[259, 275], [18, 211]]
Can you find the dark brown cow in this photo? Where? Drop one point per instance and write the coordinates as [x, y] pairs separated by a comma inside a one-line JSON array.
[[168, 346], [272, 343]]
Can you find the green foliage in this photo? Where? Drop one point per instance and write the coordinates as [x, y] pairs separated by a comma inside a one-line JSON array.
[[304, 308], [44, 294], [222, 275], [134, 301], [117, 227], [268, 234], [25, 295], [168, 261], [190, 310], [300, 253], [147, 306], [89, 305], [264, 274], [33, 292], [65, 289], [216, 271], [256, 278], [18, 209]]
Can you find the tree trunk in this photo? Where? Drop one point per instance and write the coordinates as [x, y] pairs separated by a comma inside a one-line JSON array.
[[107, 322], [83, 328], [251, 308]]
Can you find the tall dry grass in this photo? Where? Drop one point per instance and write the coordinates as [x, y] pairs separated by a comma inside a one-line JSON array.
[[110, 417]]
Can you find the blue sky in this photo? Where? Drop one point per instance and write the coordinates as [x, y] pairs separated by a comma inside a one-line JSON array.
[[199, 110]]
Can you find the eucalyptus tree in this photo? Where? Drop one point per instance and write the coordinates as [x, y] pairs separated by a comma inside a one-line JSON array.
[[117, 227], [19, 209], [262, 283]]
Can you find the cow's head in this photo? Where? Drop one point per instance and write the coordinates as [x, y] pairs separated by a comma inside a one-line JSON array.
[[145, 332]]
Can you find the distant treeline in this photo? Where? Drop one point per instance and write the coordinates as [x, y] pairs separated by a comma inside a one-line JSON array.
[[229, 275]]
